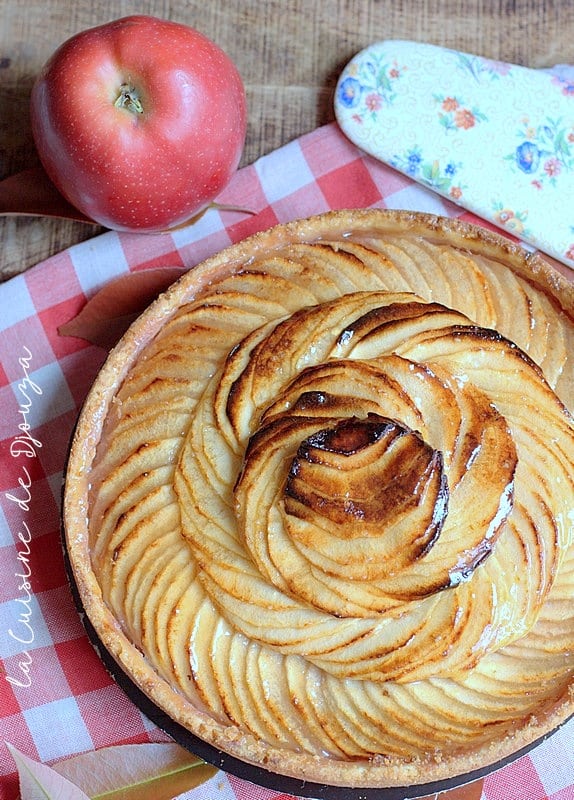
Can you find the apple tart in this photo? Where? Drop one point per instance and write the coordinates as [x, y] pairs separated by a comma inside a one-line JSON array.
[[320, 500]]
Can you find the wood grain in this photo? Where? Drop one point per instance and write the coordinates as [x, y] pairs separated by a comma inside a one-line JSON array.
[[289, 52]]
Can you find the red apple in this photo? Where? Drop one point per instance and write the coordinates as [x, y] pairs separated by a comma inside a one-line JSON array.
[[140, 122]]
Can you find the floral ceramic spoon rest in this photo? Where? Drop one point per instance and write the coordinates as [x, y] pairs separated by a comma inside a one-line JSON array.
[[495, 138]]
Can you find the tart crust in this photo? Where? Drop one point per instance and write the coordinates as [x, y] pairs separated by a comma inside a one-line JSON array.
[[94, 435]]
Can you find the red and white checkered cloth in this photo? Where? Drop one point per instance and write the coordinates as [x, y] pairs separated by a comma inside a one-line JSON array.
[[66, 702]]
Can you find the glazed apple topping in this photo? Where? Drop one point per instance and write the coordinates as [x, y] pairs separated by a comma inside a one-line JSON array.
[[335, 510]]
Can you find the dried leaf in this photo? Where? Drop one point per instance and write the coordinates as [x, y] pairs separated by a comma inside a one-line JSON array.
[[215, 206], [123, 772], [231, 209], [470, 791], [108, 314], [136, 772], [40, 782], [31, 193]]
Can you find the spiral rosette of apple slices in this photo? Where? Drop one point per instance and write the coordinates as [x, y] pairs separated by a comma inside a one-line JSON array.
[[331, 500], [358, 481]]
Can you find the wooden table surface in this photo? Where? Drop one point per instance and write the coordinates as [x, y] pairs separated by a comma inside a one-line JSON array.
[[289, 53]]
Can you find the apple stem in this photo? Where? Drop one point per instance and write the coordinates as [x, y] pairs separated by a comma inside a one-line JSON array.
[[128, 99]]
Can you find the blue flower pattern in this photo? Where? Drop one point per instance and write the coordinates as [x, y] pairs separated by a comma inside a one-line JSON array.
[[429, 173], [350, 92], [545, 151], [370, 88], [541, 158], [527, 157]]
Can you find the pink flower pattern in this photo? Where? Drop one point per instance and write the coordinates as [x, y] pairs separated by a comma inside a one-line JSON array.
[[545, 151], [459, 128], [454, 114]]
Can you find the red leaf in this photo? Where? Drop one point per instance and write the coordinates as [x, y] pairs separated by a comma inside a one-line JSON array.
[[108, 314], [31, 193]]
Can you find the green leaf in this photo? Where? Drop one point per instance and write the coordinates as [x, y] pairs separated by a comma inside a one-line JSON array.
[[561, 144], [382, 79], [435, 170], [40, 782]]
